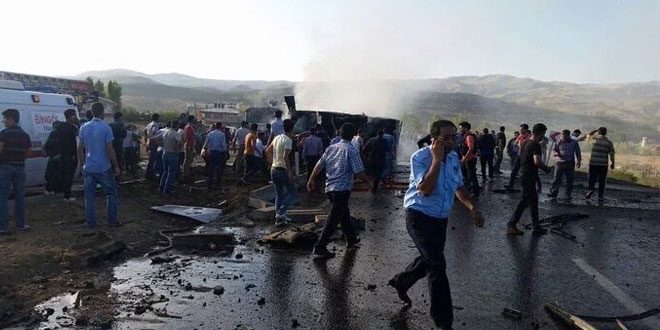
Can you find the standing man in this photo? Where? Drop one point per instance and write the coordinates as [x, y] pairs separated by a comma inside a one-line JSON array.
[[171, 141], [601, 150], [281, 172], [239, 147], [469, 157], [131, 150], [341, 162], [312, 151], [487, 145], [276, 127], [524, 136], [119, 132], [512, 149], [249, 150], [377, 159], [149, 132], [15, 146], [215, 146], [390, 156], [358, 140], [337, 138], [567, 151], [67, 133], [530, 161], [266, 134], [435, 179], [189, 141], [96, 157], [500, 145]]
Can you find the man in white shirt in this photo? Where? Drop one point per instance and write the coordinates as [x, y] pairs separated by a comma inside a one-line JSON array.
[[282, 172], [239, 146]]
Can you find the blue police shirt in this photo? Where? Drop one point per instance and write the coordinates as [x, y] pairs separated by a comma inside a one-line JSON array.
[[441, 200], [94, 136]]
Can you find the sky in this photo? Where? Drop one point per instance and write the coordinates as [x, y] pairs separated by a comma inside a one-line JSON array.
[[599, 41]]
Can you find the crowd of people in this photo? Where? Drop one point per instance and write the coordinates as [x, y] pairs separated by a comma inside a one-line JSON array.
[[442, 170]]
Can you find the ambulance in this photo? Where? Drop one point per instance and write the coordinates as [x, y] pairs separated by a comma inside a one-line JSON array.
[[38, 112]]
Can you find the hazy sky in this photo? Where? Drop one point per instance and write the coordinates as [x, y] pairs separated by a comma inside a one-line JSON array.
[[580, 41]]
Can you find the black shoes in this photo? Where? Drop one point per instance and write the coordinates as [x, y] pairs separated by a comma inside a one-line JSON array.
[[401, 292], [323, 252], [352, 244], [539, 231]]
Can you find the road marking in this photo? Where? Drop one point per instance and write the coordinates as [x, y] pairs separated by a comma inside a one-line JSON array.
[[626, 300]]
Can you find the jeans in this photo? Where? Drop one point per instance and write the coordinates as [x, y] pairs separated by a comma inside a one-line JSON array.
[[339, 214], [68, 164], [171, 162], [285, 190], [598, 173], [12, 176], [429, 235], [377, 172], [107, 182], [153, 155], [189, 157], [486, 159], [310, 163], [514, 170], [562, 168], [530, 198], [52, 175], [216, 167]]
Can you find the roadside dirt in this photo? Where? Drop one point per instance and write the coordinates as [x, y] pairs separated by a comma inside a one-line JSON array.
[[32, 268]]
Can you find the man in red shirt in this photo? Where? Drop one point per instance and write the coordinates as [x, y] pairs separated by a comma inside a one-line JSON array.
[[524, 136], [469, 157], [189, 145]]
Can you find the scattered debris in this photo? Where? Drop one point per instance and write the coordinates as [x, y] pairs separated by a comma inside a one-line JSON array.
[[239, 256], [512, 313], [202, 240], [201, 214], [294, 323], [250, 286], [162, 260], [370, 287], [563, 234], [569, 320], [163, 313], [261, 301], [304, 235], [219, 290], [99, 249], [634, 317], [560, 220]]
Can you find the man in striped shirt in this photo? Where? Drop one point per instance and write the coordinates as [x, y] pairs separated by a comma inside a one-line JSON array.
[[567, 151], [601, 150]]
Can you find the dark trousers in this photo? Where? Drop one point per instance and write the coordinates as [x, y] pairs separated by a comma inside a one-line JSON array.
[[251, 166], [153, 158], [119, 154], [216, 166], [429, 235], [499, 155], [377, 171], [471, 176], [310, 162], [529, 198], [130, 160], [598, 173], [52, 175], [339, 214], [68, 164], [514, 170], [562, 168], [486, 159]]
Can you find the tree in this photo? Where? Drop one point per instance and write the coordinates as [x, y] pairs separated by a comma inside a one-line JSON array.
[[91, 82], [114, 93], [100, 87]]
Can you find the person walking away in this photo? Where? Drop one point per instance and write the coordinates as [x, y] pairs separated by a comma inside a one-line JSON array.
[[51, 149], [189, 140], [215, 147], [390, 156], [341, 162], [487, 145], [377, 159], [15, 147], [276, 127], [567, 151], [530, 161], [522, 137], [600, 151], [239, 147], [131, 150], [469, 157], [250, 148], [119, 132], [149, 132], [358, 141], [67, 133], [435, 179], [259, 153], [171, 141], [96, 157], [500, 145], [512, 149], [282, 172], [337, 138], [312, 151]]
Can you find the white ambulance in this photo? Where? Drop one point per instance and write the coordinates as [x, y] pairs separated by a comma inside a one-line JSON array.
[[38, 112]]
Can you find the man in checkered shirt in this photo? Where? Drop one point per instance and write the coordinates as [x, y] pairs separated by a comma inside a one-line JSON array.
[[341, 162]]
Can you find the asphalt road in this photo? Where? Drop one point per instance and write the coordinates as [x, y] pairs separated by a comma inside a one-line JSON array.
[[611, 269]]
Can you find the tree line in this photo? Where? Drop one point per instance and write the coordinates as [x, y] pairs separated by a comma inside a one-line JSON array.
[[112, 91]]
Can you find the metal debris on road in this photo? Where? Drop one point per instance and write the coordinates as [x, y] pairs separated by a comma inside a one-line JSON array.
[[567, 319], [512, 313], [201, 214]]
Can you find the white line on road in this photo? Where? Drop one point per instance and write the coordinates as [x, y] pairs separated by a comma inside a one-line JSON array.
[[626, 300]]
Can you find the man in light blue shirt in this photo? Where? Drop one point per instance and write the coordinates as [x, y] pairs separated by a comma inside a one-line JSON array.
[[435, 178], [216, 148], [276, 127], [96, 156]]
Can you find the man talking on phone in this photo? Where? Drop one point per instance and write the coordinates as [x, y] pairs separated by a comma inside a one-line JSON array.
[[435, 178]]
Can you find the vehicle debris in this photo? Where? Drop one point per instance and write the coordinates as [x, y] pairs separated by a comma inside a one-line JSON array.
[[567, 319], [201, 214], [512, 313]]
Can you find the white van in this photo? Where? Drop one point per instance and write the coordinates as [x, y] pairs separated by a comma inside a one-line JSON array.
[[38, 112]]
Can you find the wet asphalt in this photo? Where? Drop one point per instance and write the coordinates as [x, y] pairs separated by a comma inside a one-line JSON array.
[[610, 269]]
